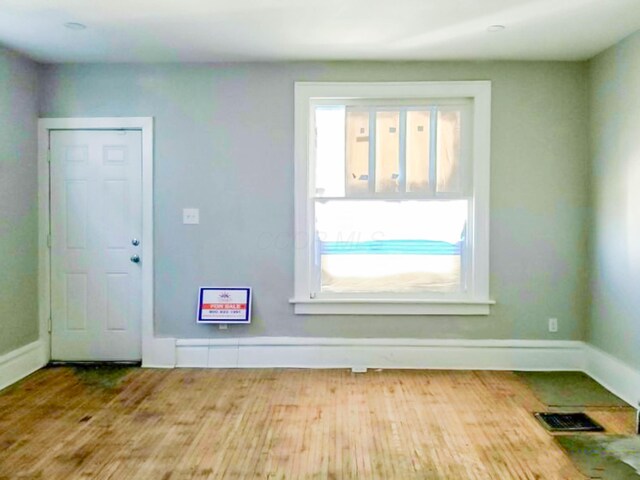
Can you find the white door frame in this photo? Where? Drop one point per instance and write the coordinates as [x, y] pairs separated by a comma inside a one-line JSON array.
[[156, 352]]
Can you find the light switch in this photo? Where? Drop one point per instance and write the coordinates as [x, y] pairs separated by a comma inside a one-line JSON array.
[[191, 216]]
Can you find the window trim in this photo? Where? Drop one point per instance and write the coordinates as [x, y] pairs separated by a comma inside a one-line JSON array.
[[474, 302]]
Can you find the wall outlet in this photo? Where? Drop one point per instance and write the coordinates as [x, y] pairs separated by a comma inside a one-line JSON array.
[[553, 325], [191, 216]]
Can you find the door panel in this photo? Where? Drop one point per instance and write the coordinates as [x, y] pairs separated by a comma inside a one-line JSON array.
[[96, 210], [76, 301]]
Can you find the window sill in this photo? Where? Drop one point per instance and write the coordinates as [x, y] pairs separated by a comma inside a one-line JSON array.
[[390, 307]]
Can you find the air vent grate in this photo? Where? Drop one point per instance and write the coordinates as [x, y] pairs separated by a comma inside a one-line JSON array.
[[568, 422]]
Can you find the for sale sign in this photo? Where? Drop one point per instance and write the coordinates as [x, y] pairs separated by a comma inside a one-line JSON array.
[[224, 305]]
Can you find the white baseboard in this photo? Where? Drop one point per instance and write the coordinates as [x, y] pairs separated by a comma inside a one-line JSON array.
[[358, 353], [21, 362], [159, 352], [613, 374], [294, 352]]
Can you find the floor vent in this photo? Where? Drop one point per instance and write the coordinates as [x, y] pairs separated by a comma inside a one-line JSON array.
[[568, 422]]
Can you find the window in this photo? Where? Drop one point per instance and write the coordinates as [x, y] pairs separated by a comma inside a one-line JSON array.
[[392, 198]]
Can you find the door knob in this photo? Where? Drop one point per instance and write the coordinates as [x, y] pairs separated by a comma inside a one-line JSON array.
[[135, 242], [135, 258]]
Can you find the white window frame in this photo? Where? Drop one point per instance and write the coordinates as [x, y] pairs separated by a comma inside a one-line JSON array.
[[476, 300]]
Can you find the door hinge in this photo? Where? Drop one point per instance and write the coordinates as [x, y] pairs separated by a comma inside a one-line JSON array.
[[49, 325], [49, 241], [49, 156]]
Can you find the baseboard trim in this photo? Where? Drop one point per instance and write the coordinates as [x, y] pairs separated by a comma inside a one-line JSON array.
[[403, 353], [613, 374], [159, 352], [362, 353], [294, 352], [21, 362]]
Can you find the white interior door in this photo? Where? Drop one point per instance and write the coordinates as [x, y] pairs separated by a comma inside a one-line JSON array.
[[96, 221]]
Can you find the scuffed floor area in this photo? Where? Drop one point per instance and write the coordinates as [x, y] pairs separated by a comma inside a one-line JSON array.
[[132, 423]]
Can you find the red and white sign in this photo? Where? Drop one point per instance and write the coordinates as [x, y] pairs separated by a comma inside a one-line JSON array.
[[224, 305]]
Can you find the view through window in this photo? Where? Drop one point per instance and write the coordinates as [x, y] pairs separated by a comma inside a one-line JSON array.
[[392, 197]]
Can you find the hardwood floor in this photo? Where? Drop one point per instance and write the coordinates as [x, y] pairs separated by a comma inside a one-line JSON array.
[[238, 424]]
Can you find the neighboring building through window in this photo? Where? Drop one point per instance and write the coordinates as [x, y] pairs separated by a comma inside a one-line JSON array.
[[392, 192]]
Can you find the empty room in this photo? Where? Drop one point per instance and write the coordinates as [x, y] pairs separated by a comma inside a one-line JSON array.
[[328, 239]]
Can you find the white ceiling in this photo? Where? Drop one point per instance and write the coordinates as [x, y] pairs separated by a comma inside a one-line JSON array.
[[216, 30]]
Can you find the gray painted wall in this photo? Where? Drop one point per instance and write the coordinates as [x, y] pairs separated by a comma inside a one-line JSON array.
[[18, 201], [224, 143], [615, 141]]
